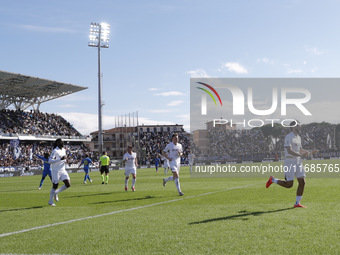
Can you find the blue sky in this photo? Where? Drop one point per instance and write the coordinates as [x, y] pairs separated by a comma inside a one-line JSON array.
[[156, 46]]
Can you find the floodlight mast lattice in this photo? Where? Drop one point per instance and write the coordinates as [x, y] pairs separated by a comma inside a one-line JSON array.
[[99, 37]]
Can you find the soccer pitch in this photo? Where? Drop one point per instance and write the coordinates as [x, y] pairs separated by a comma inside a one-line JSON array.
[[215, 216]]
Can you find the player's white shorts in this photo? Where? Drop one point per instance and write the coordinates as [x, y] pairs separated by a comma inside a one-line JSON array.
[[129, 171], [174, 167], [293, 167], [166, 165], [59, 176]]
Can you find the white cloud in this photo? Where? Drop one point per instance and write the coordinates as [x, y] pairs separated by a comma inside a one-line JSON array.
[[175, 103], [305, 62], [153, 89], [184, 116], [185, 120], [44, 29], [265, 61], [318, 110], [147, 121], [170, 93], [67, 106], [315, 51], [314, 69], [198, 73], [75, 97], [160, 110], [77, 119], [292, 71], [234, 67]]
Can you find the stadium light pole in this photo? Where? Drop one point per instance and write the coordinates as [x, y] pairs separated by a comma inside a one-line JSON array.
[[99, 37]]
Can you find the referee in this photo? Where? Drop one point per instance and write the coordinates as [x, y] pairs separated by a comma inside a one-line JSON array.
[[104, 167]]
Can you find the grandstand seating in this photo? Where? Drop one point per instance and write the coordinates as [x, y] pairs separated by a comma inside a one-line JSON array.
[[223, 144], [14, 123], [252, 144], [34, 123]]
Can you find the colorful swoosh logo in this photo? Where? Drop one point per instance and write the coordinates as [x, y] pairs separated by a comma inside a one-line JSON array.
[[212, 89]]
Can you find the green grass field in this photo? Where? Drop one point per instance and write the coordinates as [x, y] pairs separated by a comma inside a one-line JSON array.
[[215, 216]]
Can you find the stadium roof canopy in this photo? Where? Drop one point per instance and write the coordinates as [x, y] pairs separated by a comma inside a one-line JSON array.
[[23, 91]]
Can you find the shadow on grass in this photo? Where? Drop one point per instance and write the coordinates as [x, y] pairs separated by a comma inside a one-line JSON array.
[[91, 195], [123, 200], [240, 215], [19, 190], [20, 209]]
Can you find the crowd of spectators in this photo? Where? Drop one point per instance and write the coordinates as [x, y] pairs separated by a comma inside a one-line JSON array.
[[252, 144], [34, 123], [241, 144], [28, 151], [153, 143], [245, 144]]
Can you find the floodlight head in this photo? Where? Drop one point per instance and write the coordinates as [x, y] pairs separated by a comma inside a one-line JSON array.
[[99, 35]]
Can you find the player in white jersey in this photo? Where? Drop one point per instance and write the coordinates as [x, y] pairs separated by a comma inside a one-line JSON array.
[[166, 164], [130, 160], [57, 161], [191, 161], [173, 152], [292, 163]]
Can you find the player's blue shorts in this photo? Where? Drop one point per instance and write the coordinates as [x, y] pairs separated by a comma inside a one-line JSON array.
[[86, 171], [45, 173]]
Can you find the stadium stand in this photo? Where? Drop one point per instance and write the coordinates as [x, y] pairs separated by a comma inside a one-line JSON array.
[[254, 145], [28, 158], [33, 130], [34, 123]]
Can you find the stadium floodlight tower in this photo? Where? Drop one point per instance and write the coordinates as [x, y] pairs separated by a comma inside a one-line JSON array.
[[99, 37]]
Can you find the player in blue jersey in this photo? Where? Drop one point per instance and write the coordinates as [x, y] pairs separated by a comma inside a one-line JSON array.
[[47, 168], [86, 161], [157, 160]]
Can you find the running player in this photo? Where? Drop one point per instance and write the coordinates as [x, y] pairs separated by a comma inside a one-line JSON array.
[[165, 164], [46, 168], [173, 152], [130, 160], [293, 163], [86, 161], [58, 163]]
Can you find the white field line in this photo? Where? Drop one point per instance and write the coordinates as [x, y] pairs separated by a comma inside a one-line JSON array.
[[120, 211]]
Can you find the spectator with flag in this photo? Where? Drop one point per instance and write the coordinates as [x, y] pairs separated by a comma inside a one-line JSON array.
[[16, 149]]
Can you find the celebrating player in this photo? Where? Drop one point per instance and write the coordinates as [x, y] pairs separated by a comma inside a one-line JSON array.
[[86, 161], [58, 163], [104, 167], [130, 160], [46, 168], [292, 163], [173, 152]]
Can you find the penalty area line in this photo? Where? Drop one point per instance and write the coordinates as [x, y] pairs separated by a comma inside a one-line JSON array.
[[120, 211]]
